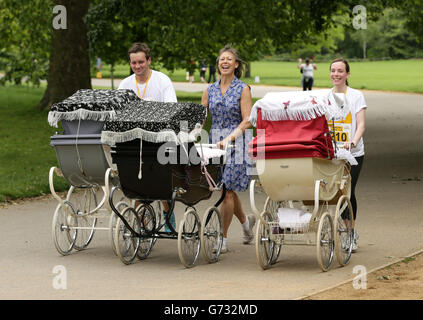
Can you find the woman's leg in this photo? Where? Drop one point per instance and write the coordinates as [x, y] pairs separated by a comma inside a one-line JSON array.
[[355, 173], [227, 211], [239, 213]]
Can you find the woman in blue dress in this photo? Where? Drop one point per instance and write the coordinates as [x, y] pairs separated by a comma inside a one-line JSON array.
[[229, 102]]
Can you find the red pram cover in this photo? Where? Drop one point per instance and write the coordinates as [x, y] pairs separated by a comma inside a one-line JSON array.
[[291, 139]]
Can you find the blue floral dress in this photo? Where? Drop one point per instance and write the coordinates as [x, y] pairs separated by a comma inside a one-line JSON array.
[[226, 116]]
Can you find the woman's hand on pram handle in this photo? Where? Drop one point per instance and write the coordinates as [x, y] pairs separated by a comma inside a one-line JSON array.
[[348, 145]]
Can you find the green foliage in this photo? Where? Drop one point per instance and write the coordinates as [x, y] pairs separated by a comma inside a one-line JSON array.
[[25, 30], [386, 37]]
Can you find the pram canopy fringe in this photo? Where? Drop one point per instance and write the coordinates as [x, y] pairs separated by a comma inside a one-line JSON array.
[[300, 105]]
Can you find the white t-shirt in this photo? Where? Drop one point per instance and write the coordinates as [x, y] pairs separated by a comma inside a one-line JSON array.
[[345, 128], [307, 70], [159, 87]]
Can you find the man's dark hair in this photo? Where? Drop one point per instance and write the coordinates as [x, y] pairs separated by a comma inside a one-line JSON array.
[[139, 47]]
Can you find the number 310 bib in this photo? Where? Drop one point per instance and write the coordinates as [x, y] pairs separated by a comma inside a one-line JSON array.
[[342, 132]]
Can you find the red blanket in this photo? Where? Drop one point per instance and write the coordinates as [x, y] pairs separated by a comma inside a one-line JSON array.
[[291, 139]]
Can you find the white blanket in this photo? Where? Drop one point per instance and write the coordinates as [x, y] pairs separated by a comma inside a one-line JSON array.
[[293, 218]]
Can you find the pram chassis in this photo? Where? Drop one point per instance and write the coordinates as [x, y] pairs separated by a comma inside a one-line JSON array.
[[137, 230], [326, 199]]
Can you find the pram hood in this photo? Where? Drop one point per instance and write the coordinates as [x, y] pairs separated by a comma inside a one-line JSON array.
[[300, 105], [91, 104], [155, 122]]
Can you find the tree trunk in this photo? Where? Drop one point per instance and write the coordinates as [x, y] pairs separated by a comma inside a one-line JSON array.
[[112, 68], [248, 70], [69, 68]]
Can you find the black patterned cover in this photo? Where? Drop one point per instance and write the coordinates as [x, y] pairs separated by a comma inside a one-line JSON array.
[[158, 116], [91, 104], [96, 100]]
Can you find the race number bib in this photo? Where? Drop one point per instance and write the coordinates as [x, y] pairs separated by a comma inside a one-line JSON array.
[[342, 132]]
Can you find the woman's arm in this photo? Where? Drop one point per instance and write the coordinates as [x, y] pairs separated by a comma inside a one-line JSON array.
[[205, 102], [246, 106], [360, 127]]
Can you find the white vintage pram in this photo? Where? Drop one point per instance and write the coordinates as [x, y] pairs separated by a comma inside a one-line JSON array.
[[307, 186], [85, 163]]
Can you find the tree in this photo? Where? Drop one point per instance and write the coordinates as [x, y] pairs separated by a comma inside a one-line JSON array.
[[107, 33], [69, 67], [25, 35]]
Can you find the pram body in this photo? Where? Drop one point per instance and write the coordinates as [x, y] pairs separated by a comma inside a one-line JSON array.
[[297, 169], [156, 160]]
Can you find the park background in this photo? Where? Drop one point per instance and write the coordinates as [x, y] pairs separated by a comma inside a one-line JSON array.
[[41, 65]]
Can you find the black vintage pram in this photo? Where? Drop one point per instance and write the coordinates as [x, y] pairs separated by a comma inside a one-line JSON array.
[[156, 158]]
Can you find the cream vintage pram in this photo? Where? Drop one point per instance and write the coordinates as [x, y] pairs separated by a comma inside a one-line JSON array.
[[307, 187]]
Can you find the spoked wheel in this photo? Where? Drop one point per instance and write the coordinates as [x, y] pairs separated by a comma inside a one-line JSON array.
[[126, 242], [145, 212], [325, 242], [211, 234], [272, 207], [157, 207], [63, 231], [343, 230], [121, 203], [264, 245], [189, 238], [83, 203]]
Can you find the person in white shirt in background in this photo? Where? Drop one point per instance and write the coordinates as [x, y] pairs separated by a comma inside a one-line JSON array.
[[352, 126], [307, 68], [150, 85]]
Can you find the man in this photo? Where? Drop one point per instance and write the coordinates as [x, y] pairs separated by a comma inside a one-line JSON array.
[[150, 85]]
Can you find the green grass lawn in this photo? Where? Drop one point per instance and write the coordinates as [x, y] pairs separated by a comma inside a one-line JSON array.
[[25, 153], [393, 75]]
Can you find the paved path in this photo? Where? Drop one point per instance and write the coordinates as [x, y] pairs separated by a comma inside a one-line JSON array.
[[390, 195]]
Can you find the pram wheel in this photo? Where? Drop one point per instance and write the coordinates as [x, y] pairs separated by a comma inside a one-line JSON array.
[[145, 212], [83, 203], [325, 241], [121, 203], [126, 242], [272, 207], [189, 238], [211, 235], [343, 230], [157, 208], [264, 245], [64, 233], [112, 223]]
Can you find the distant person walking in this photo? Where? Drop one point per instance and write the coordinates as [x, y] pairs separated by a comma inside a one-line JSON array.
[[306, 69], [212, 73], [203, 69]]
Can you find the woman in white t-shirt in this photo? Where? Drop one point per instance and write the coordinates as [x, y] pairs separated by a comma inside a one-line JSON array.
[[350, 129]]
